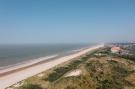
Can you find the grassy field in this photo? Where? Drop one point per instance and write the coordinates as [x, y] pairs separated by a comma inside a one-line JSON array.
[[100, 70]]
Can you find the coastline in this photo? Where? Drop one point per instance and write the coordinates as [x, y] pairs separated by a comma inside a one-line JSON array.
[[32, 62], [35, 60], [26, 65], [9, 79]]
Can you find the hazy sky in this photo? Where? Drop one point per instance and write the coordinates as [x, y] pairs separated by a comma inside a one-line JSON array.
[[66, 21]]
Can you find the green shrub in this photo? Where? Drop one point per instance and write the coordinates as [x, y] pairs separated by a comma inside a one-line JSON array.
[[57, 73], [31, 86], [129, 57], [70, 87], [105, 80], [61, 71]]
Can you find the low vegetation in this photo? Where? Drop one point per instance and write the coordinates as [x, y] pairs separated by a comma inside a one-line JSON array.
[[30, 86], [98, 75], [110, 75], [129, 57], [59, 72]]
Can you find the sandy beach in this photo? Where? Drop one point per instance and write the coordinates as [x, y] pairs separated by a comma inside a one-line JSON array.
[[25, 64], [11, 76]]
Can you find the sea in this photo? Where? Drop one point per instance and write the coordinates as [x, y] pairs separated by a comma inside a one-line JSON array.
[[11, 55]]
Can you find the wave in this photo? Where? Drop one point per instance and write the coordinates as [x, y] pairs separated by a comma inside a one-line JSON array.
[[25, 63]]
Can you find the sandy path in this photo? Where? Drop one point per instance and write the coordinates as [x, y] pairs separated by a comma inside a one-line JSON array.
[[74, 73], [13, 78]]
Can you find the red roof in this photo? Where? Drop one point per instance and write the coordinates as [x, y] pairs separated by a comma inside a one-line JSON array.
[[116, 48]]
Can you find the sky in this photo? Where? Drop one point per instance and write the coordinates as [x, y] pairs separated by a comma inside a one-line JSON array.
[[66, 21]]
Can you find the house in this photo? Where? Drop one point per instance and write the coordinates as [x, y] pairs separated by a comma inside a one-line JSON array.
[[115, 49]]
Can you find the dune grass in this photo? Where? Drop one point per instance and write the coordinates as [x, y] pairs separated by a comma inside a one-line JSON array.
[[31, 86], [59, 72]]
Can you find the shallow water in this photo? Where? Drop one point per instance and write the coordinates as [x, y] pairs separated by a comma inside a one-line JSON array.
[[13, 54]]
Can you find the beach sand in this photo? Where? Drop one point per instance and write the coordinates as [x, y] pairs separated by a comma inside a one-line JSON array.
[[9, 77]]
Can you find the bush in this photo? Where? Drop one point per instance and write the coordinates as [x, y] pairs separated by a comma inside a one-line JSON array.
[[70, 87], [31, 86], [130, 57], [105, 80], [57, 74], [61, 71]]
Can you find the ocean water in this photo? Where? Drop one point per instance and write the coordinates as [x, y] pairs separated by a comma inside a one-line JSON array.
[[13, 54]]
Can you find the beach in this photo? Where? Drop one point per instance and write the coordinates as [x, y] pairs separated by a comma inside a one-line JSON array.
[[11, 76]]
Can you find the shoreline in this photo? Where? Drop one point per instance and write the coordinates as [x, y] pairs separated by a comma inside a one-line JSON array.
[[35, 60], [9, 79], [13, 69], [25, 63]]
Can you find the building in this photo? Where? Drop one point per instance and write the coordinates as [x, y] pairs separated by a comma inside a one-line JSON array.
[[115, 49]]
